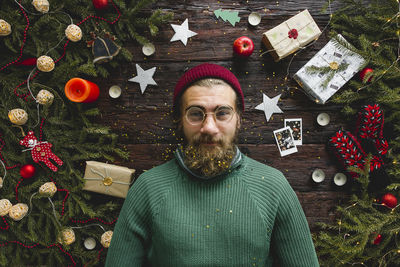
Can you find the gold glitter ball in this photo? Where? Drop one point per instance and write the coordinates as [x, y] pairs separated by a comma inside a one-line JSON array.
[[73, 33], [44, 97], [334, 65], [48, 189], [107, 181], [18, 211], [18, 116], [5, 206], [41, 5], [67, 236], [106, 239], [5, 28], [45, 63]]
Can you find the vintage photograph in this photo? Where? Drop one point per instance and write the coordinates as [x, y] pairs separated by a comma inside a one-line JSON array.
[[297, 130], [284, 140]]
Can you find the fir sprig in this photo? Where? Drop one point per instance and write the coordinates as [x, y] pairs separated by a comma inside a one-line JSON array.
[[372, 27], [327, 71]]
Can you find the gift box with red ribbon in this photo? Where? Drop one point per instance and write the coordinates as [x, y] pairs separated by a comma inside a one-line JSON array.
[[291, 35]]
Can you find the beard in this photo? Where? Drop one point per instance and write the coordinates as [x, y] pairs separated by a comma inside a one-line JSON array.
[[209, 160]]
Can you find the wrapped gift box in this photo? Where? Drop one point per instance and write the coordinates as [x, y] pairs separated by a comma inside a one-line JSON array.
[[107, 178], [291, 35], [341, 63]]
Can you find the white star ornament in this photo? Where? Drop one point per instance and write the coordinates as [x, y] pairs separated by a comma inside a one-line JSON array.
[[269, 106], [144, 77], [182, 32]]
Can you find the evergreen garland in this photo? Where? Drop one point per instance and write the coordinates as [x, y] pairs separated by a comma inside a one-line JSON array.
[[69, 126], [373, 28]]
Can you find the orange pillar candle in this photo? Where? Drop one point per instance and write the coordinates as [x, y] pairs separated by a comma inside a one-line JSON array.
[[80, 90]]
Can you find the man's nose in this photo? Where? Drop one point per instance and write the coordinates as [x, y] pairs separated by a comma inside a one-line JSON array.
[[209, 125]]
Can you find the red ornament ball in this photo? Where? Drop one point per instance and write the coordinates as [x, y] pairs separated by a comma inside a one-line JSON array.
[[27, 171], [100, 4], [378, 240], [365, 72], [389, 200]]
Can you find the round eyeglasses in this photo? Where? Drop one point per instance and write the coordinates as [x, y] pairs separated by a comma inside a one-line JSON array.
[[196, 115]]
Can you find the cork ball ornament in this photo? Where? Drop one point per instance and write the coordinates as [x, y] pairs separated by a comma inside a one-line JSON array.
[[67, 236], [5, 206], [18, 211], [45, 63], [5, 28], [106, 239], [48, 189], [73, 33], [42, 6], [18, 116], [1, 182], [45, 98]]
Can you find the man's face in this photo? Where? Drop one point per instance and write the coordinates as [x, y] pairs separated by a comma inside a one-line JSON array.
[[209, 144]]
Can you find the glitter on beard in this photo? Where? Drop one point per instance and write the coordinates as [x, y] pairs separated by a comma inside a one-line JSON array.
[[208, 161]]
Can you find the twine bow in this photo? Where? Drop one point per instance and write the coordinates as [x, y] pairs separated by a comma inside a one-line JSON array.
[[34, 144]]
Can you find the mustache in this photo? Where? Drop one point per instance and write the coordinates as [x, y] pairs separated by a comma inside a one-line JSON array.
[[205, 139]]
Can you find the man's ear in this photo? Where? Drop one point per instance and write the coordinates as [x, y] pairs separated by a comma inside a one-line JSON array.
[[239, 121]]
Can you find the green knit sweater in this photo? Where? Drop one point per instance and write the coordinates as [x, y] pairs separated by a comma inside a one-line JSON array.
[[248, 217]]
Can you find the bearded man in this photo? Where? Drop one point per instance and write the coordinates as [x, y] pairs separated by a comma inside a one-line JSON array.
[[211, 205]]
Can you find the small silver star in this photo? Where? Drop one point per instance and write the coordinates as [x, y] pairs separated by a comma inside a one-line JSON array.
[[269, 106], [182, 32], [144, 77]]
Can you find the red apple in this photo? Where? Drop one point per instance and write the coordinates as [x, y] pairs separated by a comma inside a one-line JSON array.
[[100, 4], [243, 46]]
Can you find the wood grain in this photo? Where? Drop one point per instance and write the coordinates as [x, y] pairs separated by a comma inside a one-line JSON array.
[[143, 120]]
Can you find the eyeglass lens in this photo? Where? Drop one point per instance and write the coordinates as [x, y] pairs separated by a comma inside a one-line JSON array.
[[197, 115]]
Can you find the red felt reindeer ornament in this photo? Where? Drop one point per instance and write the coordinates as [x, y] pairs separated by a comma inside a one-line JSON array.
[[40, 150]]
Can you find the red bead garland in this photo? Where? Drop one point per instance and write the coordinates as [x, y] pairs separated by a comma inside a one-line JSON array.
[[1, 156], [23, 42], [65, 199], [98, 255], [16, 189], [5, 222]]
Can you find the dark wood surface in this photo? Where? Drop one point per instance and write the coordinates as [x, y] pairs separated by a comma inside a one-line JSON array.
[[144, 124]]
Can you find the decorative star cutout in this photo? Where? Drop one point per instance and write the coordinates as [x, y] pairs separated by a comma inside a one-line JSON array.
[[182, 32], [144, 77], [269, 106]]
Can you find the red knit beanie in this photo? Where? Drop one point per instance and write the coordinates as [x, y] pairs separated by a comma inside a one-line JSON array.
[[207, 70]]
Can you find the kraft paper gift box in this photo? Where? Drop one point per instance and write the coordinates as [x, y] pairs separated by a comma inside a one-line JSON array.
[[107, 178], [291, 35], [340, 65]]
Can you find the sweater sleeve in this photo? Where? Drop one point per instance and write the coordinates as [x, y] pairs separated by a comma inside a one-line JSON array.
[[131, 232], [291, 237]]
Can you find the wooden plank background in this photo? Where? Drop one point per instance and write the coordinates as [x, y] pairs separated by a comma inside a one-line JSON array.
[[144, 124]]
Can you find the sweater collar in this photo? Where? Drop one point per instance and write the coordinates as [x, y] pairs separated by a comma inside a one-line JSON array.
[[236, 161]]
